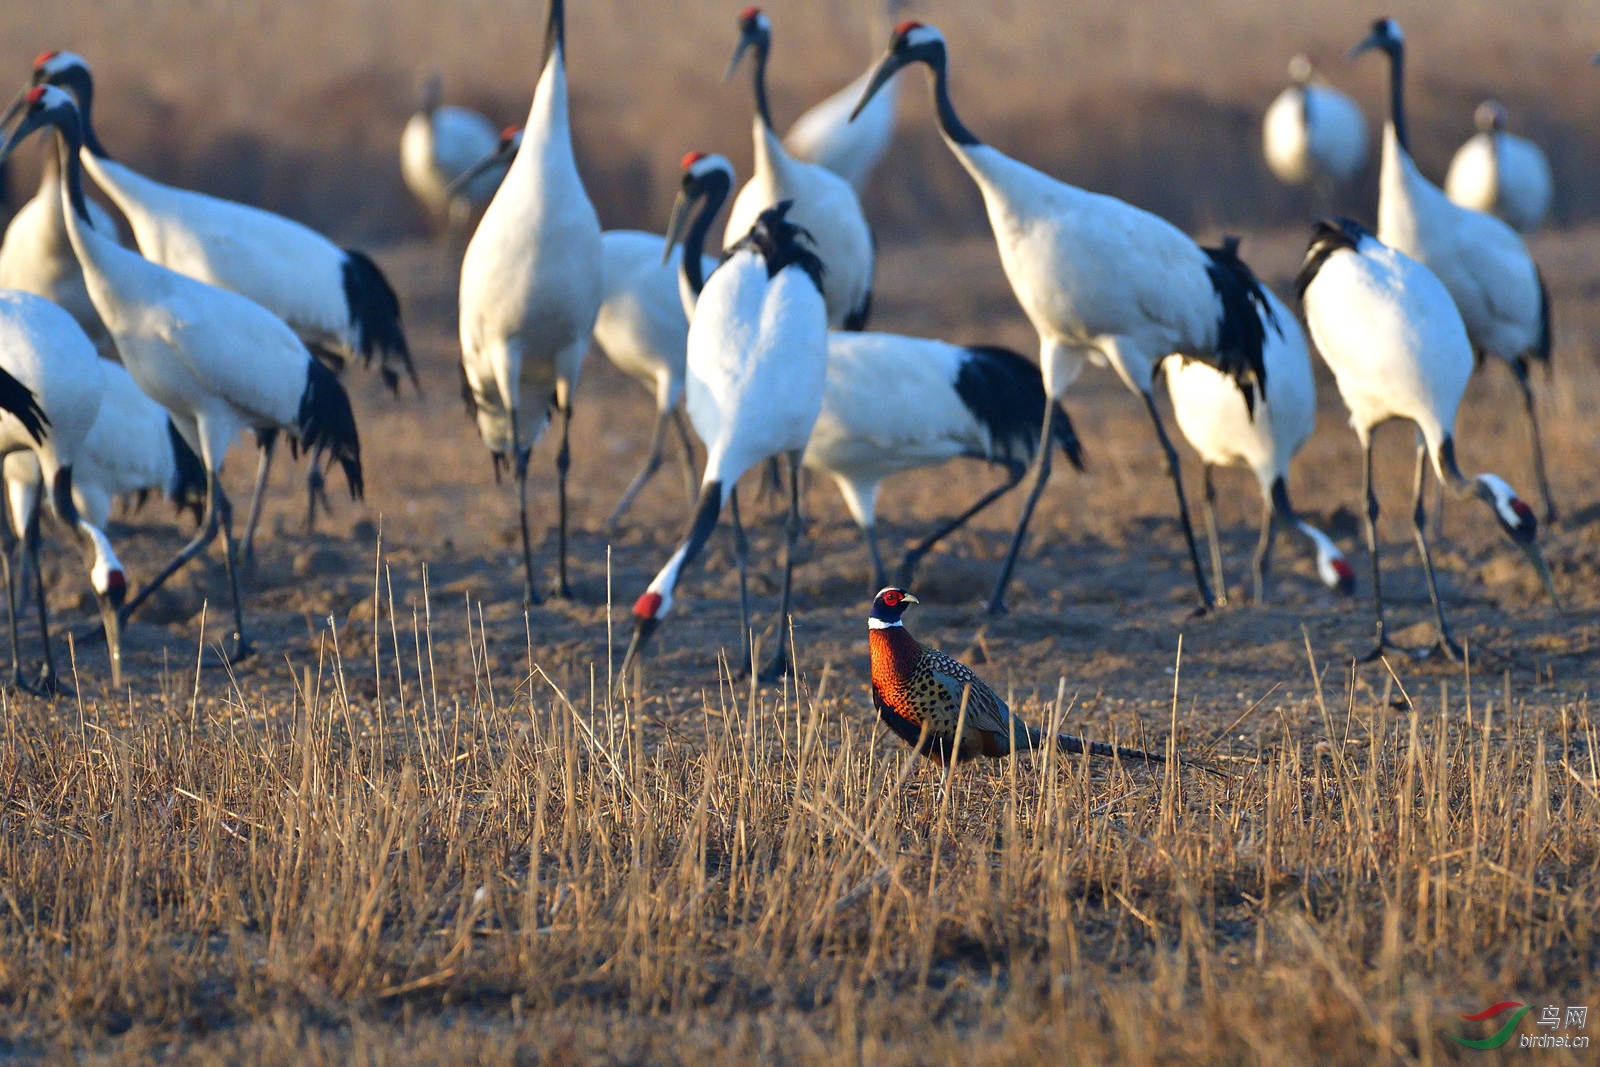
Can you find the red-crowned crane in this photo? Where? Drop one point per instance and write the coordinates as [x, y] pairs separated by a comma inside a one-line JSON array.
[[439, 143], [1481, 261], [1262, 437], [1500, 173], [217, 361], [1100, 280], [824, 134], [757, 359], [1312, 134], [1388, 330], [530, 291], [336, 300], [824, 204], [36, 257], [45, 354], [894, 403]]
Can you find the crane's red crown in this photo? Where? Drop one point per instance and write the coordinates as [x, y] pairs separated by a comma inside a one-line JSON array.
[[647, 605], [44, 57], [690, 159]]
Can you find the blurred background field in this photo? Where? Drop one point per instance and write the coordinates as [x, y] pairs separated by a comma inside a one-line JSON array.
[[297, 105]]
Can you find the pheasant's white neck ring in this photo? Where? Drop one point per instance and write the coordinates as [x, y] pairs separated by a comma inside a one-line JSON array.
[[879, 624]]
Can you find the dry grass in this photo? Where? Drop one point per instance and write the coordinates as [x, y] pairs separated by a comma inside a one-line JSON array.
[[509, 873]]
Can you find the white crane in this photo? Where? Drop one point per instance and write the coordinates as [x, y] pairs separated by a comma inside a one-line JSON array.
[[131, 449], [758, 353], [36, 257], [1222, 428], [824, 204], [1500, 173], [641, 326], [1313, 134], [1388, 329], [530, 291], [337, 300], [47, 356], [217, 361], [1099, 279], [439, 143], [894, 403], [824, 134], [1481, 261], [643, 330]]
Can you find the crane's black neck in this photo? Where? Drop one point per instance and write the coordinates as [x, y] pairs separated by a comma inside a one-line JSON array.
[[1397, 88], [555, 31], [763, 48], [68, 142], [80, 83], [949, 121], [715, 188]]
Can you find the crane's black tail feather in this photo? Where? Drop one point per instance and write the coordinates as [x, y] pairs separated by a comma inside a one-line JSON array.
[[327, 424], [375, 314]]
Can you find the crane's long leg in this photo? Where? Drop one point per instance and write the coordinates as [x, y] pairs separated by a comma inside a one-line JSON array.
[[239, 646], [1419, 521], [691, 475], [267, 443], [880, 576], [1217, 580], [652, 463], [914, 555], [1263, 554], [316, 489], [520, 454], [49, 683], [10, 559], [1041, 461], [1173, 469], [1519, 370], [741, 558], [209, 525], [782, 662], [563, 590], [1382, 641]]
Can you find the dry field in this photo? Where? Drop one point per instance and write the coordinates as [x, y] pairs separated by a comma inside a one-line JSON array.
[[418, 829]]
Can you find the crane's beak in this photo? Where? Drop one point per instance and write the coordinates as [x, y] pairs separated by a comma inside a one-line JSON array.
[[887, 68], [1535, 554], [1366, 44], [14, 107], [109, 608], [18, 135], [503, 153], [738, 54], [642, 629], [676, 224]]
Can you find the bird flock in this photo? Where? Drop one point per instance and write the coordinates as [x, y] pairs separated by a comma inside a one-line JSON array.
[[127, 370]]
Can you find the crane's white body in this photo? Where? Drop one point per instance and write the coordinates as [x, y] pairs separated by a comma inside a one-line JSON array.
[[1481, 260], [1502, 174], [826, 136], [824, 205], [1100, 280], [1211, 411], [440, 143], [641, 326], [531, 279], [36, 256], [1312, 132], [890, 405], [45, 349], [128, 449], [1388, 329], [757, 362]]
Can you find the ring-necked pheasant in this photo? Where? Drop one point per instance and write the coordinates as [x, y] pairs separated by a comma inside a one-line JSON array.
[[919, 691]]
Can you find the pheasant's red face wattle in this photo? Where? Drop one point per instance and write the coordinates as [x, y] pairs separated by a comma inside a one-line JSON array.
[[892, 597]]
